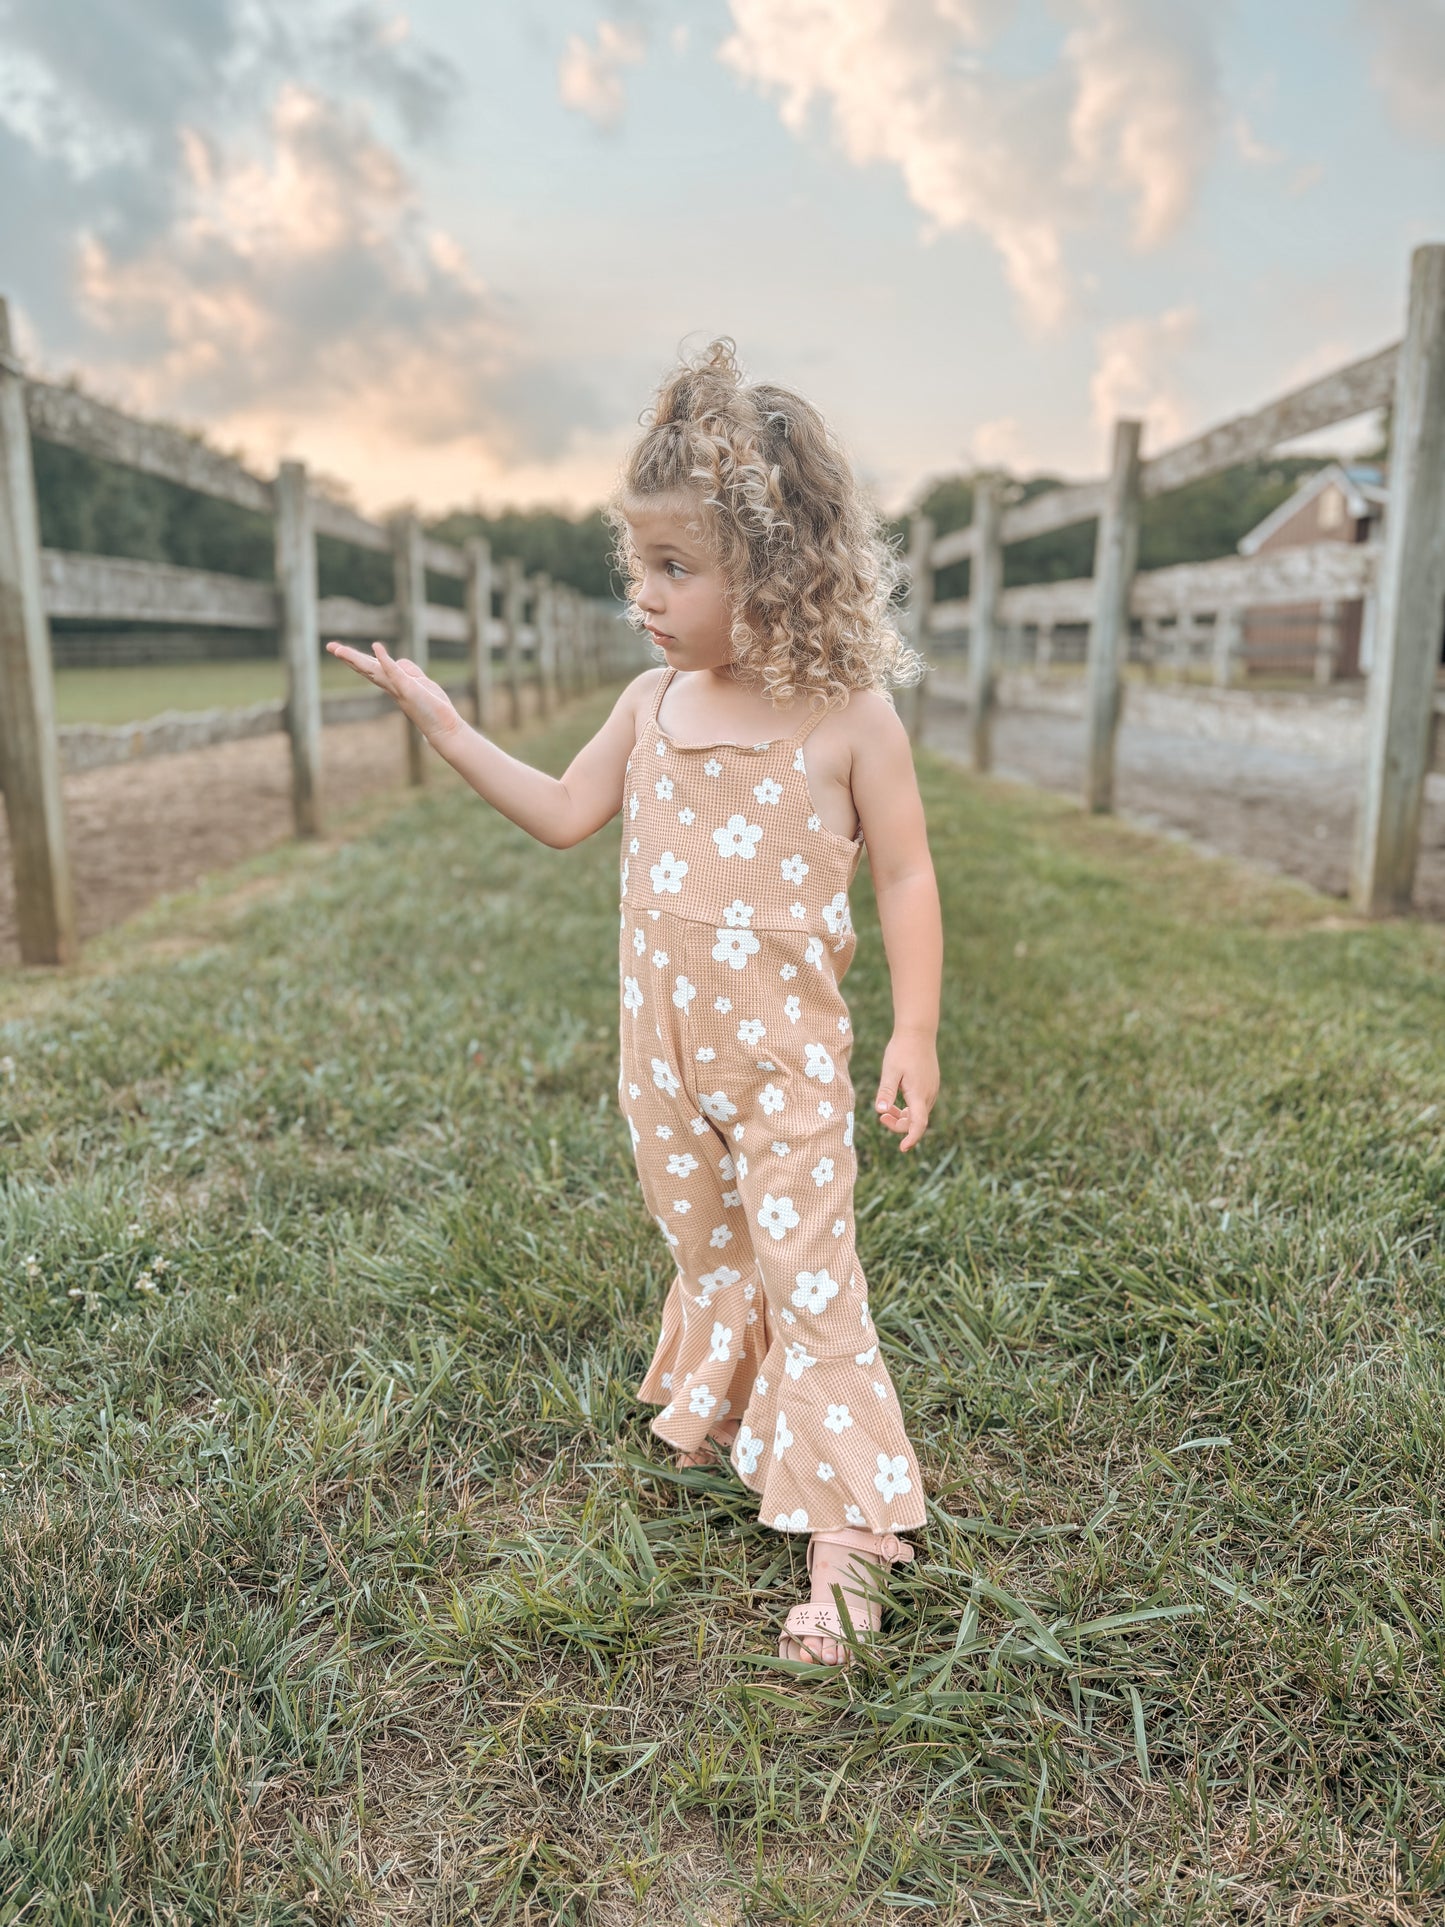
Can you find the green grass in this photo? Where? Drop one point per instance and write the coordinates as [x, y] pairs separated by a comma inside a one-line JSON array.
[[341, 1580], [131, 695]]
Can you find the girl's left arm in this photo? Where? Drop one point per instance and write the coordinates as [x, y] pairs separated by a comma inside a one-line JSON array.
[[890, 812]]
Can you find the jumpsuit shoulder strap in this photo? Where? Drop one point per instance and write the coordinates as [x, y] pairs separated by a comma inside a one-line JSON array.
[[814, 717], [661, 691]]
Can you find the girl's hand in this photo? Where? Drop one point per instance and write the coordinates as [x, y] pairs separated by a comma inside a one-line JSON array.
[[912, 1061], [424, 702]]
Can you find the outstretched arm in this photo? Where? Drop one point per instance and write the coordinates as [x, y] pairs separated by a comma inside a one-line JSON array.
[[890, 810], [558, 810]]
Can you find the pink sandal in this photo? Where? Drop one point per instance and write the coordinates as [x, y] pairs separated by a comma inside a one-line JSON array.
[[812, 1617]]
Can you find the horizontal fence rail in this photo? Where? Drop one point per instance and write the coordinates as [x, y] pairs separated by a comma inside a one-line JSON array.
[[546, 636], [1194, 612]]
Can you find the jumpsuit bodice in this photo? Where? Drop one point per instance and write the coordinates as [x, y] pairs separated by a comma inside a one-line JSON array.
[[727, 834]]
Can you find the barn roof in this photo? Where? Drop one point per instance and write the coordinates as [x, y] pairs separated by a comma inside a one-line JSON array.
[[1362, 484]]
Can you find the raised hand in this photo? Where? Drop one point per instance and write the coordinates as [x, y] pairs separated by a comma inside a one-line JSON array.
[[425, 702]]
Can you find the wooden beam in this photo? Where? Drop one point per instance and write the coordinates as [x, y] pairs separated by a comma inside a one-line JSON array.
[[1411, 605], [345, 525], [77, 421], [442, 559], [343, 619], [1228, 634], [920, 602], [512, 593], [108, 586], [479, 628], [409, 574], [29, 749], [1271, 576], [956, 546], [300, 642], [1116, 553], [986, 586], [1056, 508]]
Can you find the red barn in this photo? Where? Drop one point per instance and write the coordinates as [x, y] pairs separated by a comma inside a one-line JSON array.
[[1341, 502]]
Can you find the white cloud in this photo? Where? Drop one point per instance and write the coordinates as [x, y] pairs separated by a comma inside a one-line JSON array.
[[1001, 444], [589, 78], [1250, 147], [1136, 374], [1408, 60], [1130, 106]]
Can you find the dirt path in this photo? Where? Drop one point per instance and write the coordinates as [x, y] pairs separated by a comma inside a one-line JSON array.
[[1280, 809]]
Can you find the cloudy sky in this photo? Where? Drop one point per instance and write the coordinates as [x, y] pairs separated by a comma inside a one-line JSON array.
[[443, 248]]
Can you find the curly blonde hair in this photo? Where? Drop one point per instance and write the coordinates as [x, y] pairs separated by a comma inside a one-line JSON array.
[[809, 570]]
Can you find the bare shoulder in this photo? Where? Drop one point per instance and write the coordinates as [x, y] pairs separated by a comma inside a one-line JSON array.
[[874, 727], [635, 699]]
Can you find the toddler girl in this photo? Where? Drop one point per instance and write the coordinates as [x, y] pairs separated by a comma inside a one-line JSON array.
[[750, 769]]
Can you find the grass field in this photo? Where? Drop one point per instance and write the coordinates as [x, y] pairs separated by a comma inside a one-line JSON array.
[[341, 1579], [131, 695]]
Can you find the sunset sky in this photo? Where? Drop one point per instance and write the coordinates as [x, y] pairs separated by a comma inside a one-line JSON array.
[[442, 251]]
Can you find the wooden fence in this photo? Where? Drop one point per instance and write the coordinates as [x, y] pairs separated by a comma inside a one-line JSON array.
[[547, 634], [1405, 574]]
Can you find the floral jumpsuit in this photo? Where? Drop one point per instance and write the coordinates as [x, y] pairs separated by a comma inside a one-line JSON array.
[[735, 1040]]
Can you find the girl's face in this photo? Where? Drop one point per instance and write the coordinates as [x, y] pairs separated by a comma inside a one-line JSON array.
[[681, 594]]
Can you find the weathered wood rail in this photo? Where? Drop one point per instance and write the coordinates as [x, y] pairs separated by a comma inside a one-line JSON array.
[[1196, 608], [547, 634]]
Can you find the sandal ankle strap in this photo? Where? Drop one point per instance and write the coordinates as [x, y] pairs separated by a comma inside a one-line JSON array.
[[882, 1547]]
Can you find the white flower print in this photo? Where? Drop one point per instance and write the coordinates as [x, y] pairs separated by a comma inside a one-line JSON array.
[[668, 1409], [665, 1078], [668, 873], [721, 1235], [842, 1025], [722, 1338], [839, 1227], [698, 1126], [740, 1131], [681, 1164], [837, 915], [782, 1437], [780, 1149], [797, 1359], [671, 1236], [735, 947], [634, 1090], [722, 1004], [731, 1201], [654, 914], [704, 1053], [661, 746], [737, 837], [714, 1281], [712, 767], [771, 1099], [737, 914], [822, 1172], [794, 1521], [839, 1418], [892, 1478], [681, 1207], [793, 868], [626, 862], [825, 1108], [742, 1159], [633, 806], [854, 1514], [636, 1134], [663, 1131], [633, 847], [848, 1132], [726, 1169], [761, 1387], [819, 1064], [788, 970], [663, 787], [825, 1471], [749, 1449], [866, 1358], [787, 1317], [798, 763], [718, 1106], [768, 791], [659, 959], [881, 1390], [751, 1031], [666, 1381], [814, 1289], [684, 993], [792, 1009], [815, 822], [798, 910], [766, 1064], [686, 816], [701, 1400], [777, 1216], [631, 995], [639, 941], [813, 952]]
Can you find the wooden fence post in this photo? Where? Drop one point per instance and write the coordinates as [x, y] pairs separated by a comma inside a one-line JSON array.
[[1228, 632], [920, 605], [409, 572], [985, 587], [29, 746], [1044, 648], [545, 645], [1410, 588], [479, 627], [295, 539], [512, 633], [1116, 554], [1327, 641]]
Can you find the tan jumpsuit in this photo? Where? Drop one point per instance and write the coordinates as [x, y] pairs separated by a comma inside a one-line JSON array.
[[735, 1041]]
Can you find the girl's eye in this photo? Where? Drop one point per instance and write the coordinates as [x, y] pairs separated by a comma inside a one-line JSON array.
[[676, 565]]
